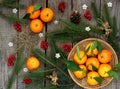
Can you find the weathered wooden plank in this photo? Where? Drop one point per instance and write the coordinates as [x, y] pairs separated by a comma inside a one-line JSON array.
[[7, 33], [78, 5], [53, 4], [22, 12], [114, 11]]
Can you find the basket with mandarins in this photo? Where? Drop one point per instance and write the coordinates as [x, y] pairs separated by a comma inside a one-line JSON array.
[[92, 63]]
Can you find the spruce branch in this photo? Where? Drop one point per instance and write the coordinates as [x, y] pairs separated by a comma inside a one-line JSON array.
[[39, 54], [10, 81], [114, 25], [17, 67], [9, 1], [38, 74], [95, 11], [107, 15], [21, 6], [97, 14], [13, 18], [74, 27]]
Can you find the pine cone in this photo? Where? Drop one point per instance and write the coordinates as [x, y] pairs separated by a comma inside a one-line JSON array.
[[75, 17]]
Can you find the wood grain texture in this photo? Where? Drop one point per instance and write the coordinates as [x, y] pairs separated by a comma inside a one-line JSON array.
[[114, 11], [7, 32], [22, 12], [77, 5]]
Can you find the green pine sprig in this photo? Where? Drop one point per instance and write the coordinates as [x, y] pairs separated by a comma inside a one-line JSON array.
[[13, 18], [107, 15], [19, 63], [8, 5], [11, 4], [97, 14], [41, 56]]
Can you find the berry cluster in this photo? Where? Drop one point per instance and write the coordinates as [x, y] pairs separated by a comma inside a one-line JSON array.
[[62, 6], [66, 47], [17, 27], [44, 45], [27, 81], [10, 60], [88, 15]]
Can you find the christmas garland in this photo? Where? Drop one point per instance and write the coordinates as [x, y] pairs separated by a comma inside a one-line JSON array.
[[55, 71]]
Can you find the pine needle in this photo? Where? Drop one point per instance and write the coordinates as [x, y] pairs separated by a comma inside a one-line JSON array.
[[97, 14], [107, 15], [38, 53], [10, 81], [21, 6], [17, 67], [95, 11], [13, 18], [114, 29]]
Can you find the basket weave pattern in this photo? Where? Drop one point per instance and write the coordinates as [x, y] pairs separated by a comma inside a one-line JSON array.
[[82, 44]]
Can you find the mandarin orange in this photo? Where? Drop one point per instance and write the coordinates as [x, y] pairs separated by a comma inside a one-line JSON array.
[[104, 69], [47, 15], [92, 63], [91, 78], [90, 51], [32, 63], [33, 14], [105, 56], [81, 73], [36, 25], [82, 59]]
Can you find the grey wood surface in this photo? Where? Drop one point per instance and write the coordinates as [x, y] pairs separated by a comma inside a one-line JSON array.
[[7, 32]]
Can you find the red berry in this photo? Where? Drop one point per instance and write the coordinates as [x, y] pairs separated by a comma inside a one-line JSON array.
[[62, 6], [17, 27], [10, 63], [27, 81], [44, 45], [11, 57], [66, 47], [10, 60], [88, 15]]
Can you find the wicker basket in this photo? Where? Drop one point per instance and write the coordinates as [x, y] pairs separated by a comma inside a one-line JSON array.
[[82, 82]]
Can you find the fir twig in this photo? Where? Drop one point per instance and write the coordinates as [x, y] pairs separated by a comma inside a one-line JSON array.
[[10, 81], [37, 74], [74, 27], [38, 54], [21, 6], [13, 18], [97, 14], [9, 1], [114, 43], [107, 15], [114, 29], [95, 11], [17, 67]]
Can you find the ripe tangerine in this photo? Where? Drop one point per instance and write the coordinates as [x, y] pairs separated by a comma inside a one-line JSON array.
[[32, 63], [105, 56], [104, 69], [81, 73], [36, 25], [90, 51], [91, 78], [92, 62], [47, 15], [33, 14], [82, 59]]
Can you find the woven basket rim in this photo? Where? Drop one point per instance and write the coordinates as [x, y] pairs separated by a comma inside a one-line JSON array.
[[92, 39]]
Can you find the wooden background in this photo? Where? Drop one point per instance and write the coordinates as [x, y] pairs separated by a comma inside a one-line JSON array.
[[7, 31]]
